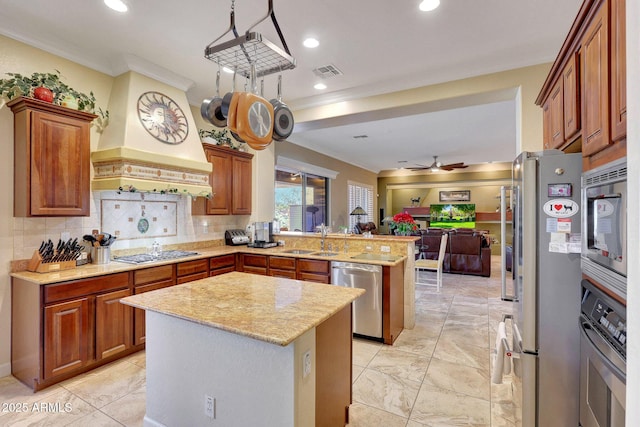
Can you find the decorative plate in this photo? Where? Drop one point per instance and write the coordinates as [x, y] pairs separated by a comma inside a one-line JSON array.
[[162, 117], [143, 225]]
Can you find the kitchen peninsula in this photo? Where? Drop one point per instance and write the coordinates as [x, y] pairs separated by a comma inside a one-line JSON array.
[[266, 350]]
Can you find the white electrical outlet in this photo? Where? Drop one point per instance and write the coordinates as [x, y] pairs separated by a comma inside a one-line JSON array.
[[306, 364], [209, 406], [385, 248]]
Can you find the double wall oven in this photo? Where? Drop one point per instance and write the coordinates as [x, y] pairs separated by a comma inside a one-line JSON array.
[[603, 330]]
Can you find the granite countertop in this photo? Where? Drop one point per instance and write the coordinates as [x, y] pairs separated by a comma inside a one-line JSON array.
[[94, 270], [270, 309]]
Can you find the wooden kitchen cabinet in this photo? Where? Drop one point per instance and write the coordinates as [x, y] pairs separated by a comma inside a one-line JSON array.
[[189, 271], [67, 337], [146, 280], [595, 72], [113, 324], [52, 159], [392, 302], [313, 270], [592, 67], [222, 264], [62, 329], [618, 49], [280, 266], [571, 97], [231, 183], [253, 263]]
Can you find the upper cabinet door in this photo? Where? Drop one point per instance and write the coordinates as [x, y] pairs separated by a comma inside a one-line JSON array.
[[618, 71], [220, 183], [52, 165], [595, 71], [557, 115], [571, 106], [242, 186]]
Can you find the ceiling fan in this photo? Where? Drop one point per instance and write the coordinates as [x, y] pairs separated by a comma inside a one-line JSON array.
[[437, 166]]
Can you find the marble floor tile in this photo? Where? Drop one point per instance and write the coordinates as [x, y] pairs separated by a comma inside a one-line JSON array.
[[355, 372], [58, 408], [465, 335], [138, 359], [416, 342], [460, 379], [462, 354], [386, 392], [402, 364], [366, 416], [129, 409], [108, 385], [95, 419], [435, 407], [364, 351]]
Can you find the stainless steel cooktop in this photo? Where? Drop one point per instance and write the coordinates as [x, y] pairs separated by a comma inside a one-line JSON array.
[[162, 256]]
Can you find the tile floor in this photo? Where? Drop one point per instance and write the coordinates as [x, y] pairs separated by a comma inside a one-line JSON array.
[[437, 374]]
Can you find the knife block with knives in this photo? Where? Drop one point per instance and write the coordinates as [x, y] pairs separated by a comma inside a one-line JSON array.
[[48, 259]]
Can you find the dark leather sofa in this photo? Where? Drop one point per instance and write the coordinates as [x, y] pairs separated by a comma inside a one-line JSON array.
[[468, 250]]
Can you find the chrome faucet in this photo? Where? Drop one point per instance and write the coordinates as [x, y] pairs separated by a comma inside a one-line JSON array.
[[323, 235]]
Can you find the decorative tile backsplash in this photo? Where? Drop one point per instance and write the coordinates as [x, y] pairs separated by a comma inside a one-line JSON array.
[[139, 219], [169, 217]]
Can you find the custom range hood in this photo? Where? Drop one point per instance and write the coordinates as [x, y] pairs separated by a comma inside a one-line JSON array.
[[151, 142]]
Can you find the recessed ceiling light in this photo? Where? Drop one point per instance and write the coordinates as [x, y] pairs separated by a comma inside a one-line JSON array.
[[117, 5], [320, 86], [429, 5], [311, 43], [227, 70]]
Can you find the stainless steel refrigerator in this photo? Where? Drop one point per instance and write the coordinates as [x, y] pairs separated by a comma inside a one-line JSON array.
[[546, 221]]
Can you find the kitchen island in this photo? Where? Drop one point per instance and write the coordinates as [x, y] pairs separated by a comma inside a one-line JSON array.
[[266, 350]]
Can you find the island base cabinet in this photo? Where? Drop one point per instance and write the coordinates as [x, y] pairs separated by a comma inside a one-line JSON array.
[[66, 337], [333, 369]]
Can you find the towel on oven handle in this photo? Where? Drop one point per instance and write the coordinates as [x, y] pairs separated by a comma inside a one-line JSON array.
[[502, 359]]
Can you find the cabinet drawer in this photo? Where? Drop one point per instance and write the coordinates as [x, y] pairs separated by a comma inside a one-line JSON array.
[[254, 260], [192, 277], [80, 288], [222, 261], [311, 277], [255, 270], [222, 270], [282, 263], [193, 267], [313, 266], [289, 274], [164, 273]]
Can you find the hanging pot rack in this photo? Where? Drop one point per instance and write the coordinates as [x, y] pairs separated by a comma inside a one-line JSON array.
[[243, 51]]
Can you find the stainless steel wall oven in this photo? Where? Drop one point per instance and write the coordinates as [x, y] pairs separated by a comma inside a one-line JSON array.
[[603, 348], [604, 226]]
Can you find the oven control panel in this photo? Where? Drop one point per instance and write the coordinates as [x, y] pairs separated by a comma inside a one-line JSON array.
[[606, 314]]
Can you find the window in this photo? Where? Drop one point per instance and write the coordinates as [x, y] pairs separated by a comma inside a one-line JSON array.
[[360, 195], [300, 200]]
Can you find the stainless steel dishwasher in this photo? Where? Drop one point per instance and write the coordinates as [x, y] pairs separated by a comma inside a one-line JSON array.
[[367, 309]]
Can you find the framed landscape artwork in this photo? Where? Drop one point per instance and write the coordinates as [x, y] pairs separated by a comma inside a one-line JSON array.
[[455, 196]]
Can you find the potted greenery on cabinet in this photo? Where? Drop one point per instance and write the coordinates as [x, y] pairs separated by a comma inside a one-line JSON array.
[[49, 87]]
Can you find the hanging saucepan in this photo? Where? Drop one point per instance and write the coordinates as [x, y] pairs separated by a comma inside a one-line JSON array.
[[282, 116], [211, 109]]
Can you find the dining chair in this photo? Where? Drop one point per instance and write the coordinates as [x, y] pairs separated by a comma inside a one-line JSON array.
[[432, 265]]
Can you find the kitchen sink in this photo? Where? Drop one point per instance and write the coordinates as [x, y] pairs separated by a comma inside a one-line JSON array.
[[324, 253], [297, 251], [377, 257]]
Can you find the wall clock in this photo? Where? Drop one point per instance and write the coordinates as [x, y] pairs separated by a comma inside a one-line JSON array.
[[162, 117]]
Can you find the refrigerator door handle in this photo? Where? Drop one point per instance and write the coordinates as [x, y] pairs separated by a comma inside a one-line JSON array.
[[503, 244]]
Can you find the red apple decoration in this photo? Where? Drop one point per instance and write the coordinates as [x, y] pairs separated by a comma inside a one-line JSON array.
[[43, 94]]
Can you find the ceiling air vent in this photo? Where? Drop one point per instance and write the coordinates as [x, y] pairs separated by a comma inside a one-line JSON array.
[[327, 71]]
